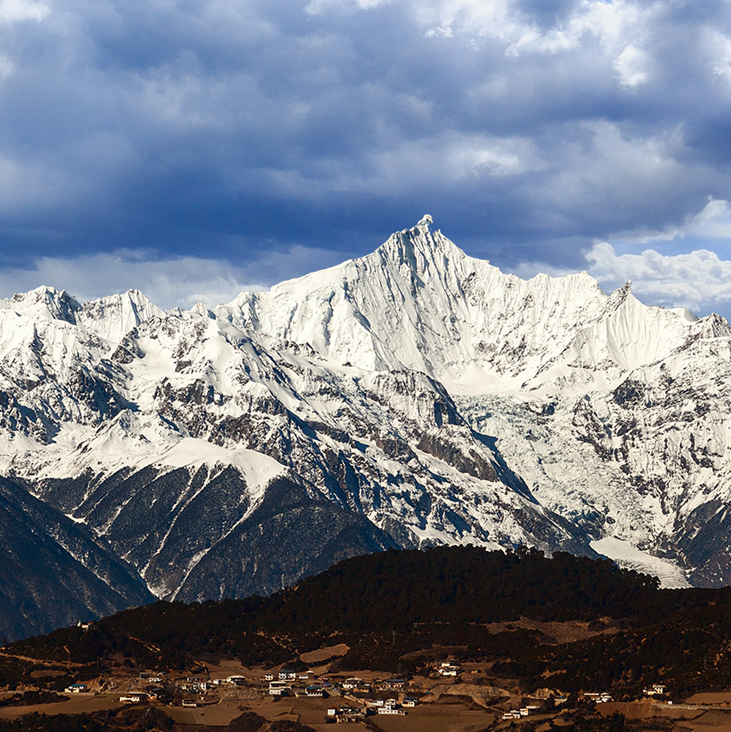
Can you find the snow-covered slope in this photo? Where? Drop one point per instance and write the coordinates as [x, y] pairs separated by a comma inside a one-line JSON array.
[[419, 302], [411, 397]]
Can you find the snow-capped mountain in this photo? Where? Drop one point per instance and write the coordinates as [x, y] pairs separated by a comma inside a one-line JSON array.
[[415, 396]]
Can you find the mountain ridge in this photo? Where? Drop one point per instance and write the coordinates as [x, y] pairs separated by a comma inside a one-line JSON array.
[[410, 398]]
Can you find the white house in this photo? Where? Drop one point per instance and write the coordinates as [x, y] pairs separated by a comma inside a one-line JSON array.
[[76, 688], [279, 688]]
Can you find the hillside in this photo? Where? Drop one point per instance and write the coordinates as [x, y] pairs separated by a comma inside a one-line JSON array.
[[421, 601], [525, 624]]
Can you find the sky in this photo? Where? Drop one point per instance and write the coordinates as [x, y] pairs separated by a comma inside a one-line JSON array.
[[196, 148]]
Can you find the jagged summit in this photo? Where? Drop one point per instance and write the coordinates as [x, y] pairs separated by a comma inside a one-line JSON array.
[[114, 316], [424, 222], [420, 302], [46, 302]]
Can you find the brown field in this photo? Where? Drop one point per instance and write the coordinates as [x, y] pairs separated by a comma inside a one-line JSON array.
[[723, 697], [457, 715], [453, 717], [450, 705], [78, 704], [425, 718], [647, 709], [216, 715], [567, 631], [436, 718], [322, 654], [230, 668], [720, 721]]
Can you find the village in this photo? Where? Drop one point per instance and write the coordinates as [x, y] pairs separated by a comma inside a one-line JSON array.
[[343, 699], [448, 695], [460, 695]]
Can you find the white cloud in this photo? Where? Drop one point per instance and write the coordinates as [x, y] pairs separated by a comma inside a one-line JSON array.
[[620, 25], [496, 157], [712, 222], [630, 66], [12, 11], [455, 156], [127, 120], [179, 282], [699, 280], [175, 282], [719, 46], [451, 156], [613, 23], [315, 7]]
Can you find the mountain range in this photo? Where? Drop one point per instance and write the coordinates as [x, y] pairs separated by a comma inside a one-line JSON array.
[[410, 398]]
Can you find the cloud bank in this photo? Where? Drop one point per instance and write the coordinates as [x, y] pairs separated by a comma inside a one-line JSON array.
[[699, 280], [181, 282], [231, 133]]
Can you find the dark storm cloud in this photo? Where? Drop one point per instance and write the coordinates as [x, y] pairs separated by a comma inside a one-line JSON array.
[[249, 132]]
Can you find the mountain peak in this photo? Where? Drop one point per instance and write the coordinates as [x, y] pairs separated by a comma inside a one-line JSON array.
[[46, 301], [112, 317], [423, 225], [419, 248]]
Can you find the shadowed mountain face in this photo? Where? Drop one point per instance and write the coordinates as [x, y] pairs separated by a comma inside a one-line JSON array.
[[55, 571], [411, 398]]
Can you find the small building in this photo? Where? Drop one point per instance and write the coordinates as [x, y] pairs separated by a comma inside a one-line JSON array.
[[351, 714], [76, 688], [393, 684], [449, 669], [131, 698], [268, 677], [512, 714], [279, 688], [529, 710], [190, 703], [597, 696], [316, 691], [287, 675], [197, 686], [390, 710], [410, 701]]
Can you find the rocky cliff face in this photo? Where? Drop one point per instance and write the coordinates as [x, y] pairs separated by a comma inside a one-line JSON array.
[[412, 397]]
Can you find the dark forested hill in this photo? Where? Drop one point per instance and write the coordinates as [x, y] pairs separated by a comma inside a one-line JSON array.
[[394, 591]]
